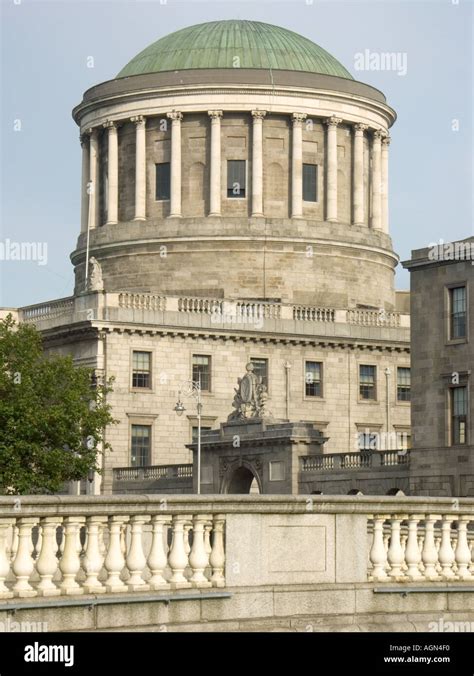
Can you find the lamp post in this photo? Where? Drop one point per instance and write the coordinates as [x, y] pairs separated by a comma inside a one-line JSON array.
[[193, 389]]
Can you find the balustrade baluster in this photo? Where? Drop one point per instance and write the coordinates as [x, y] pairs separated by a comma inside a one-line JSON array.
[[23, 564], [47, 562], [93, 559], [395, 552], [198, 558], [157, 558], [5, 526], [412, 550], [378, 551], [115, 561], [463, 553], [446, 552], [429, 554], [136, 561], [217, 557], [177, 558], [70, 563]]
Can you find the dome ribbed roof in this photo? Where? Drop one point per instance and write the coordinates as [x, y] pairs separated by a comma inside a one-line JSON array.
[[231, 44]]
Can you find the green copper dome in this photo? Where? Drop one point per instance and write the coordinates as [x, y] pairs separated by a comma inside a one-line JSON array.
[[218, 43]]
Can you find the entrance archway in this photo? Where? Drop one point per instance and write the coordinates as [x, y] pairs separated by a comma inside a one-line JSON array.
[[242, 481]]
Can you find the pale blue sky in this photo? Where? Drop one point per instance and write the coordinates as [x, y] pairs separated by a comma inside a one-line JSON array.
[[45, 47]]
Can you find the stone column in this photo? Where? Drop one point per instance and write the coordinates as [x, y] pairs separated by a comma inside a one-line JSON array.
[[112, 172], [93, 186], [175, 203], [331, 179], [384, 186], [297, 165], [140, 167], [85, 144], [376, 180], [215, 187], [358, 182], [257, 162]]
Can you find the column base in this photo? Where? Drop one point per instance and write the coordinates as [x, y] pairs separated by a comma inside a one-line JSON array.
[[111, 222], [333, 219], [359, 223], [215, 213], [139, 218], [259, 215], [296, 215], [175, 216]]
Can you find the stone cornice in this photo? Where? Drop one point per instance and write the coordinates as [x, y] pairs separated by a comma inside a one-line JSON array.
[[73, 332]]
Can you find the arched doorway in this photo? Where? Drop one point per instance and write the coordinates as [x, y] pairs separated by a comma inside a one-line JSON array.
[[241, 481]]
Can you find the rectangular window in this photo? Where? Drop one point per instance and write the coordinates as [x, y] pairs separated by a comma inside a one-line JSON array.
[[458, 312], [202, 371], [163, 181], [367, 382], [313, 379], [403, 383], [459, 415], [194, 433], [260, 368], [310, 182], [236, 178], [141, 445], [141, 370]]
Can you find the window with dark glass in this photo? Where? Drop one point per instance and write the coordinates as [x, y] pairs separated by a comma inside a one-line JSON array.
[[310, 177], [141, 369], [403, 383], [202, 371], [260, 368], [459, 415], [163, 181], [367, 382], [313, 379], [141, 445], [458, 308], [236, 178]]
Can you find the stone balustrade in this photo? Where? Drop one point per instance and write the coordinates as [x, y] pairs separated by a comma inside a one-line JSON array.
[[153, 472], [357, 460], [69, 309], [422, 547], [58, 308], [313, 314], [142, 301], [62, 546]]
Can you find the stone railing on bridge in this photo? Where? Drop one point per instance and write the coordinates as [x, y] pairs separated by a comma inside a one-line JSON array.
[[63, 546], [358, 460]]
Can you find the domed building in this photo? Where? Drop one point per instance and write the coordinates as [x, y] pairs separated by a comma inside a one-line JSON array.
[[235, 211], [251, 158]]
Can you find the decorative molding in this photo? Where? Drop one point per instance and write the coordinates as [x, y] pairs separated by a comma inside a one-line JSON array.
[[215, 115], [175, 116], [333, 121], [298, 118], [258, 114]]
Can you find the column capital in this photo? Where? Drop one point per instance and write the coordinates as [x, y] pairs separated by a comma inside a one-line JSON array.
[[84, 138], [298, 118], [92, 131], [360, 128], [258, 114], [138, 119], [109, 124], [215, 114], [175, 116], [386, 140], [379, 134], [333, 121]]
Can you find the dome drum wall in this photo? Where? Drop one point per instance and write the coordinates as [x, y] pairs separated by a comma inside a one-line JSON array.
[[306, 270]]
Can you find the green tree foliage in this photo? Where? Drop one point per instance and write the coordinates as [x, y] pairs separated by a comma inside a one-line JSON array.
[[52, 415]]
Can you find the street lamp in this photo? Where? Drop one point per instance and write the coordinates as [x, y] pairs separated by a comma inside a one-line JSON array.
[[193, 389]]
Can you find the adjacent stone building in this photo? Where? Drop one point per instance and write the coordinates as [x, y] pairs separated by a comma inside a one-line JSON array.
[[442, 292], [235, 210]]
